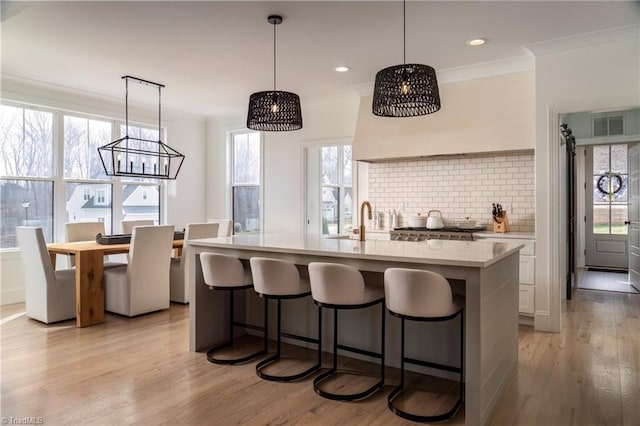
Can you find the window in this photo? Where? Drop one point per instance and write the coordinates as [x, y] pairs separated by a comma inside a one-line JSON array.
[[610, 210], [608, 126], [141, 196], [88, 190], [337, 189], [138, 206], [26, 170], [31, 182], [246, 160]]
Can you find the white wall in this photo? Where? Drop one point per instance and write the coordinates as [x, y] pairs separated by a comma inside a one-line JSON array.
[[185, 196], [581, 78], [283, 177]]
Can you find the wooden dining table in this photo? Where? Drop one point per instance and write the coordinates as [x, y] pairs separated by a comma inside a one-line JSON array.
[[89, 257]]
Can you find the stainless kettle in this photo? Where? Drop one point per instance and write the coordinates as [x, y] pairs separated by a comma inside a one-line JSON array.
[[434, 219]]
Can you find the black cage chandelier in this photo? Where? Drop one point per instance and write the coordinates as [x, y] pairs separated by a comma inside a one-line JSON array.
[[406, 90], [137, 157], [276, 110]]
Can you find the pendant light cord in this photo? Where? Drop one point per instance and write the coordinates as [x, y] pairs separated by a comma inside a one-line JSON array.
[[126, 105], [404, 31], [159, 112], [274, 57]]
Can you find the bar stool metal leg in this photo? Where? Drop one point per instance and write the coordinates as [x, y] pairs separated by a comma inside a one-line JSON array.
[[334, 369], [260, 367], [400, 388], [230, 361]]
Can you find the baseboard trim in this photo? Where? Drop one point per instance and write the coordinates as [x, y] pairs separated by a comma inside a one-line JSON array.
[[9, 297]]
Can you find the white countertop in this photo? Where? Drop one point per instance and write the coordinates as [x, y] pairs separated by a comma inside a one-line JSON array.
[[477, 254]]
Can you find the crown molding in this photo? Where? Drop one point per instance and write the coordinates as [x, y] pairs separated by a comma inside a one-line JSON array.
[[584, 40], [471, 72]]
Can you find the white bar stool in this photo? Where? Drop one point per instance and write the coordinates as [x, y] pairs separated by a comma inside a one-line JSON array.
[[337, 287], [223, 272], [418, 295], [280, 280]]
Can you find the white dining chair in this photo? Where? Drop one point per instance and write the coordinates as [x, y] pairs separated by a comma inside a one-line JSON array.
[[224, 227], [180, 266], [50, 295], [143, 285], [127, 225], [86, 231]]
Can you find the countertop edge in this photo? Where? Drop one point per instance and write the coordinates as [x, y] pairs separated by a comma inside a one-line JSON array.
[[314, 252]]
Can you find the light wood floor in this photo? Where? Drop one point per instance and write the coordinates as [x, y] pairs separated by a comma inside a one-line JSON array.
[[130, 371], [604, 280]]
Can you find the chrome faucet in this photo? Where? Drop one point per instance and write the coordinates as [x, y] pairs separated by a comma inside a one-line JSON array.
[[368, 206]]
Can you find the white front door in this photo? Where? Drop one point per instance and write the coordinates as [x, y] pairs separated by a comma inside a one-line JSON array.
[[606, 207], [634, 216]]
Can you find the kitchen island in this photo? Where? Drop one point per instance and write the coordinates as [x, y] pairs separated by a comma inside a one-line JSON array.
[[485, 272]]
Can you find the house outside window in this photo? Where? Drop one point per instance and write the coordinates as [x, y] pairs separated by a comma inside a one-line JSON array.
[[33, 183], [88, 190], [141, 196], [246, 179]]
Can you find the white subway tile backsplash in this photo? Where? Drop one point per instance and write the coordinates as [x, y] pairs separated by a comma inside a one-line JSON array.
[[459, 187]]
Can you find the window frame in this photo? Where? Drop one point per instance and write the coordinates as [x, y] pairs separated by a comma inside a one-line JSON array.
[[341, 187], [231, 173], [59, 181], [52, 179], [312, 223]]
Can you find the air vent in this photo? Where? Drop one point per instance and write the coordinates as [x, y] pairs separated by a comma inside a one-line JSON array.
[[608, 126]]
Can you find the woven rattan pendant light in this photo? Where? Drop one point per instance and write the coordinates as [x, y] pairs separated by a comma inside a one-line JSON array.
[[274, 110], [406, 90]]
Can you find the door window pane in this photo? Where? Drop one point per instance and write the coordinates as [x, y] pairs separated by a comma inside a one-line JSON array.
[[330, 209], [140, 202], [619, 158], [347, 163], [610, 189], [619, 214], [600, 159], [26, 145], [82, 138], [246, 209], [348, 209], [89, 202], [25, 203], [330, 165], [600, 218]]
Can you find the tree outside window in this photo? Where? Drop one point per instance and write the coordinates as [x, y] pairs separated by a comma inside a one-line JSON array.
[[26, 170], [337, 189]]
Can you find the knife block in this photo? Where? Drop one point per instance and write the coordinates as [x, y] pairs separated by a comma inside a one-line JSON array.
[[501, 223]]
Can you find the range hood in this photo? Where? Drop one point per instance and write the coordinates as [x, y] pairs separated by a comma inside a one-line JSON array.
[[491, 114]]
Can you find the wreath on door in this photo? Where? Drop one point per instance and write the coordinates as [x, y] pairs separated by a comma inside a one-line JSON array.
[[618, 185]]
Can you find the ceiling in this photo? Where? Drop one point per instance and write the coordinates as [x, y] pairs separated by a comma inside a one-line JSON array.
[[212, 55]]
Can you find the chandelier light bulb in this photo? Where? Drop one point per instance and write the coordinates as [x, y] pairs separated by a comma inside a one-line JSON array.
[[404, 89]]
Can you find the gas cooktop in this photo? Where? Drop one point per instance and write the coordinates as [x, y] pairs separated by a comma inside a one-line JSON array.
[[446, 229]]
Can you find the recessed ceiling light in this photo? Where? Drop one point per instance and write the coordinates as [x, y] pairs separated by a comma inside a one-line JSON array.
[[342, 69], [477, 41]]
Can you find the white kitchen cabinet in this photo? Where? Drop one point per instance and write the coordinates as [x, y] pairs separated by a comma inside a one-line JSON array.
[[527, 269]]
